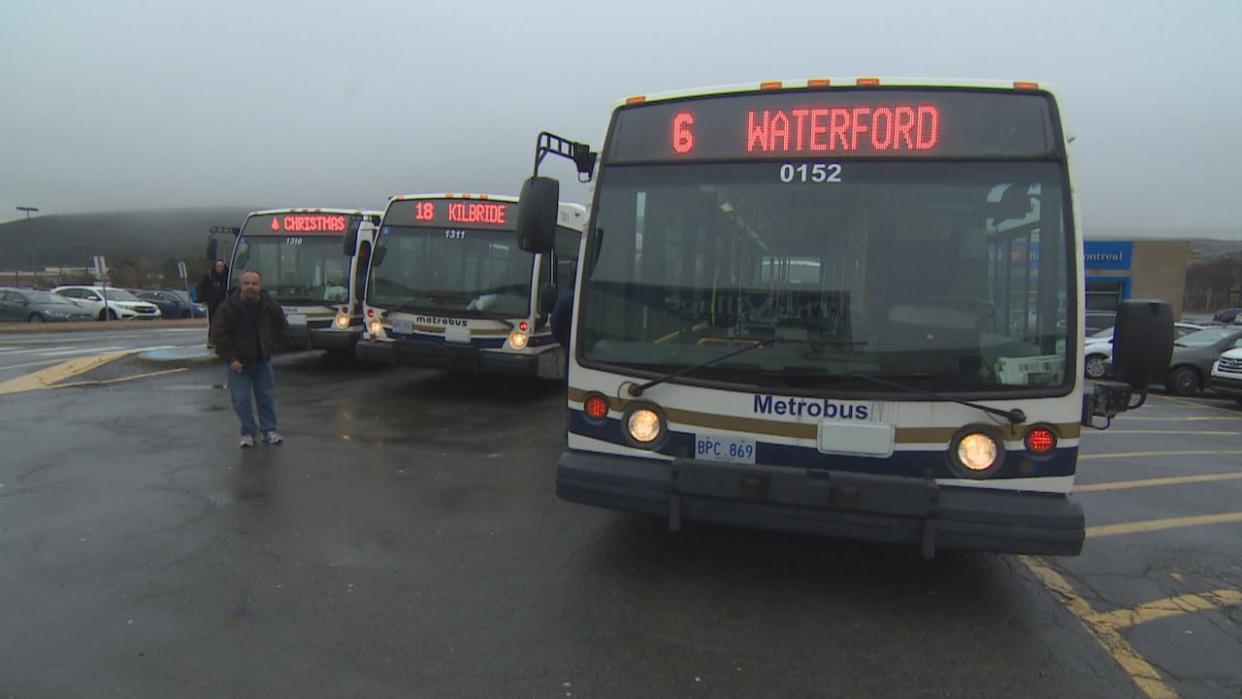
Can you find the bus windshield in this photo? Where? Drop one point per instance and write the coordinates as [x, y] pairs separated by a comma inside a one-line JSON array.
[[948, 276], [296, 269], [451, 272]]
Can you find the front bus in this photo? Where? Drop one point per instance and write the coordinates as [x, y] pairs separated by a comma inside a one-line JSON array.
[[848, 309], [308, 269], [450, 289]]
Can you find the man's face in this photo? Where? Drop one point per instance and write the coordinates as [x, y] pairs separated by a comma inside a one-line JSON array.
[[220, 266], [250, 285]]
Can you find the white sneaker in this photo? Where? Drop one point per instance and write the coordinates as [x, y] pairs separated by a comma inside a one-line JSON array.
[[247, 441], [273, 437]]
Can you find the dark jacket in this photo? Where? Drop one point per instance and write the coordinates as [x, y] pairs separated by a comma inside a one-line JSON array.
[[562, 318], [234, 336], [213, 288]]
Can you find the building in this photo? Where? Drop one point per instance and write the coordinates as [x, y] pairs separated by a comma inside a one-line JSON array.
[[1149, 269]]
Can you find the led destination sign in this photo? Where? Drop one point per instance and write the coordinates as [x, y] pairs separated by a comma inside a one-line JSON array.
[[869, 123], [299, 224], [463, 213]]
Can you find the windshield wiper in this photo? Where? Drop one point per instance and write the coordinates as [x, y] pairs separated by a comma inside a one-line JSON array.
[[637, 389], [1015, 416]]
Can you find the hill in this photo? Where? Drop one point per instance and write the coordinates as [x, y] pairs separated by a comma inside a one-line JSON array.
[[72, 239]]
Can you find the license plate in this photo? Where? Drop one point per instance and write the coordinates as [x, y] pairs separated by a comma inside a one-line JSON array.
[[737, 450], [296, 318], [457, 334], [403, 326]]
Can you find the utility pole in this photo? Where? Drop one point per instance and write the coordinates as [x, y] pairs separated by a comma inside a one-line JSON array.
[[17, 264]]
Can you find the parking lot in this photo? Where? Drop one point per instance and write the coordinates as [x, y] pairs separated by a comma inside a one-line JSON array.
[[406, 541]]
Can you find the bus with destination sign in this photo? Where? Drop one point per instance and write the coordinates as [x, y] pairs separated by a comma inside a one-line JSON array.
[[842, 307], [314, 264], [450, 289]]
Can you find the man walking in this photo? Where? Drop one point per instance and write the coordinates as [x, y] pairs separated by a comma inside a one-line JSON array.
[[212, 289], [248, 328]]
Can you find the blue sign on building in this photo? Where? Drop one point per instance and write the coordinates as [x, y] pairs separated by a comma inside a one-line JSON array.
[[1107, 255]]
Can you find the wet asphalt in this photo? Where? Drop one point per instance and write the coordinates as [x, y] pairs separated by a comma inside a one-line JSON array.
[[406, 541]]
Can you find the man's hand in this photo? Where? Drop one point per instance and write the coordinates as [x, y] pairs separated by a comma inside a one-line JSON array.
[[236, 366]]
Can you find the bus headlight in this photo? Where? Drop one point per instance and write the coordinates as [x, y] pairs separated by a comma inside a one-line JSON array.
[[518, 339], [644, 425], [978, 452], [342, 321], [377, 327]]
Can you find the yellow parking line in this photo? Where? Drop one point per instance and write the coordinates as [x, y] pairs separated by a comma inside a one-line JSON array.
[[1136, 666], [1190, 404], [1164, 608], [1153, 525], [1182, 418], [1205, 433], [1152, 482], [122, 379], [46, 378], [1134, 454]]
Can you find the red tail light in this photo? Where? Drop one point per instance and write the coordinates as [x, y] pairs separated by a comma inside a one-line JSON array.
[[596, 407], [1040, 440]]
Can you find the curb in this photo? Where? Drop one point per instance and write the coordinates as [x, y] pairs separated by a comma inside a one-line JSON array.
[[97, 326]]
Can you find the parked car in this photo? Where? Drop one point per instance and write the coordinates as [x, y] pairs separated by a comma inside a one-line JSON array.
[[121, 304], [1227, 375], [1195, 354], [1227, 315], [1095, 321], [173, 303], [29, 306], [1098, 350]]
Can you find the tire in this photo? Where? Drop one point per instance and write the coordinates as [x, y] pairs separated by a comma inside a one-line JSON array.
[[1096, 366], [186, 315], [1184, 381], [35, 318]]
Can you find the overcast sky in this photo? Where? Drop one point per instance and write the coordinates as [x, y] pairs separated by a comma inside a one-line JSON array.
[[126, 104]]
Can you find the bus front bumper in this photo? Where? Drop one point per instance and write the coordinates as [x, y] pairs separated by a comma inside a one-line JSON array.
[[336, 341], [836, 504], [429, 355]]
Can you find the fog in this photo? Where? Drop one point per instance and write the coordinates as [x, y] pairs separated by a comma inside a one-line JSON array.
[[136, 105]]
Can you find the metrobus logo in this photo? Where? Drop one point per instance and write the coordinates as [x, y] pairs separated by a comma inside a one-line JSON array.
[[798, 407]]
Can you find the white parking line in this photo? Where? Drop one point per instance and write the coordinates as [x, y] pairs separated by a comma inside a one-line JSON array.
[[67, 352]]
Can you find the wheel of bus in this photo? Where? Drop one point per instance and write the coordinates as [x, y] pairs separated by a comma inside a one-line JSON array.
[[1097, 366], [1183, 381], [35, 318]]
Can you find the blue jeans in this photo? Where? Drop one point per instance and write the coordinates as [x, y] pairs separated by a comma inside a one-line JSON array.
[[260, 380]]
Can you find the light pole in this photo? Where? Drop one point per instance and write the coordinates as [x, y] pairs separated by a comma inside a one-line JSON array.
[[29, 210]]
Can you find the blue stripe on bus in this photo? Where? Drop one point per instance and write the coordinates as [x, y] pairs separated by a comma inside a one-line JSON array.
[[486, 343], [1018, 464]]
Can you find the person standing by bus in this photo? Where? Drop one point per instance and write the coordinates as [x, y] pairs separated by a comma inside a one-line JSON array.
[[212, 289], [248, 329]]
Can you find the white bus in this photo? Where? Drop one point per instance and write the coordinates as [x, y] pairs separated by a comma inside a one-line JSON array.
[[314, 264], [450, 289], [843, 307]]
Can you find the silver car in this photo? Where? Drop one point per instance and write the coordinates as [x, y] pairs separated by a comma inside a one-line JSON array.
[[1194, 355]]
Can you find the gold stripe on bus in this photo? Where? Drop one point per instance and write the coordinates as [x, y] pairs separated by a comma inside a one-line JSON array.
[[798, 430]]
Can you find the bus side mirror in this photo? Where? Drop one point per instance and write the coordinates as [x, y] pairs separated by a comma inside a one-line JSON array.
[[351, 242], [1142, 341], [538, 206], [213, 246], [547, 298]]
